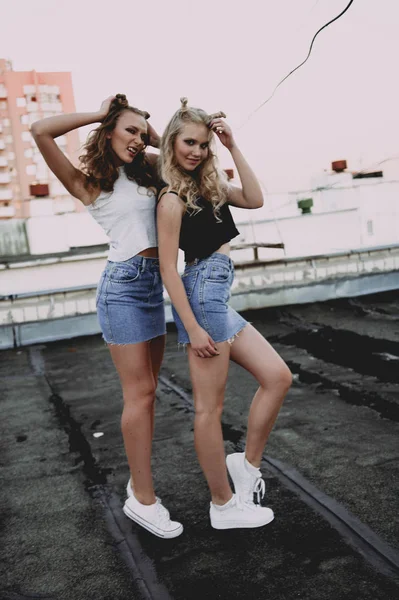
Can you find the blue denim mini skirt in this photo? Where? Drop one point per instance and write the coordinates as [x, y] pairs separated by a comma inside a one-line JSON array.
[[208, 284], [130, 304]]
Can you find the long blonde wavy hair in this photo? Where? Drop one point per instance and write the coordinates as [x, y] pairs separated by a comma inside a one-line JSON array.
[[208, 180], [97, 160]]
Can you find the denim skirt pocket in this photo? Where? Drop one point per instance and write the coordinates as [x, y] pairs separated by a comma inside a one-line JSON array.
[[189, 280], [216, 288], [121, 273], [218, 273]]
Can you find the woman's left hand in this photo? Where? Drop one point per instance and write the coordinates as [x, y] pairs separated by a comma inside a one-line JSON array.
[[223, 131]]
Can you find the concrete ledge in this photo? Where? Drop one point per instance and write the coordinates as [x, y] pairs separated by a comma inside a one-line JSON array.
[[67, 308]]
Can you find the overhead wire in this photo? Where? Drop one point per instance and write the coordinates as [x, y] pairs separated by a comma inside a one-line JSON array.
[[300, 65]]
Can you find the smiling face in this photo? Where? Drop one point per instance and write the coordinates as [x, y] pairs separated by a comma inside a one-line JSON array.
[[191, 146], [129, 137]]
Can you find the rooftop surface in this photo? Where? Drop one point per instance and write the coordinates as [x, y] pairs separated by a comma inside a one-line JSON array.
[[331, 469]]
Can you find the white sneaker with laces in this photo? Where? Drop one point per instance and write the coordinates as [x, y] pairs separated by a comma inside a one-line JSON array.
[[236, 514], [153, 517], [246, 482]]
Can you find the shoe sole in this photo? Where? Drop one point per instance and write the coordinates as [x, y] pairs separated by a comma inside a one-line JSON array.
[[159, 533], [235, 525]]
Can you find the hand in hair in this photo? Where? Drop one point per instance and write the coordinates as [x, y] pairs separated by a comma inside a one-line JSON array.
[[116, 104], [223, 131], [105, 106]]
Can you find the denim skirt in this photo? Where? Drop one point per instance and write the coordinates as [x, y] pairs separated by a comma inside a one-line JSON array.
[[130, 304], [208, 283]]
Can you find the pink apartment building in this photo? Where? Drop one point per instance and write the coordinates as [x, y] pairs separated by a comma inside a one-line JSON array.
[[25, 179]]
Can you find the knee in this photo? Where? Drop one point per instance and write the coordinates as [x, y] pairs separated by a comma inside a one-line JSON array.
[[285, 378], [204, 413], [140, 395], [281, 379]]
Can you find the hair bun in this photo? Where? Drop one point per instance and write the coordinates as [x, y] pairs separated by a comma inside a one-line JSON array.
[[121, 101], [184, 102], [146, 114]]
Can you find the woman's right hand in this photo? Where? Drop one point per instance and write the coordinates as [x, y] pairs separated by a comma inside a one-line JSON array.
[[105, 106], [202, 344]]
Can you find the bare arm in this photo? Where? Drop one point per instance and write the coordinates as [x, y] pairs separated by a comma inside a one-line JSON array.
[[152, 158], [154, 138], [250, 195], [44, 133], [169, 216]]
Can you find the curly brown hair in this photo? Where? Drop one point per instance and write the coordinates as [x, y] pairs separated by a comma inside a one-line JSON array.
[[97, 161]]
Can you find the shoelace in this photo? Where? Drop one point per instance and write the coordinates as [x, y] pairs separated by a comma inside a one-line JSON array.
[[162, 513], [259, 489]]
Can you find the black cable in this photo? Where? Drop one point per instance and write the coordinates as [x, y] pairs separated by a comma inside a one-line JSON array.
[[303, 62]]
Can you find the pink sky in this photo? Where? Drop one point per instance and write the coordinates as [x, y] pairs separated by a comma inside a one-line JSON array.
[[229, 55]]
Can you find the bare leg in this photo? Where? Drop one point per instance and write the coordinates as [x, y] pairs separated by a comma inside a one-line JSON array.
[[208, 376], [255, 354], [134, 366], [157, 348]]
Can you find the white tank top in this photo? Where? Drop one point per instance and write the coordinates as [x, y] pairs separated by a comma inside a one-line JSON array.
[[127, 216]]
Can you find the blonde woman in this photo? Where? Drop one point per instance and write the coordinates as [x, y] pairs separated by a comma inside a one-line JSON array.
[[193, 214], [117, 185]]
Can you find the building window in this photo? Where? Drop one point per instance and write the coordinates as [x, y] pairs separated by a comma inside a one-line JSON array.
[[370, 228], [21, 102], [31, 170], [26, 136], [24, 119], [37, 158], [3, 105], [6, 122], [11, 155], [32, 117], [28, 153], [9, 139]]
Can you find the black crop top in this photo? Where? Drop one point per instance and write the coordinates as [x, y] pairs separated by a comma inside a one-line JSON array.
[[201, 233]]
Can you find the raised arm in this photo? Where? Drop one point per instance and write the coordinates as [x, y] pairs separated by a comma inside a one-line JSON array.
[[44, 133], [169, 216], [250, 195], [153, 137]]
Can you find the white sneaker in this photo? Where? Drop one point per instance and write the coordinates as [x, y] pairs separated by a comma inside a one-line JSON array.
[[236, 514], [246, 482], [154, 517], [129, 490]]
